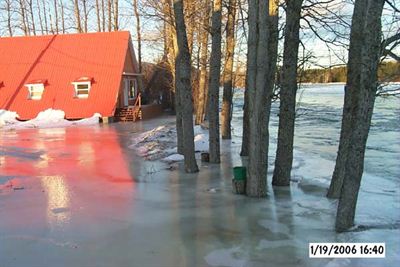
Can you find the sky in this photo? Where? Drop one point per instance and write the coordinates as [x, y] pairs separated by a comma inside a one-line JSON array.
[[323, 54]]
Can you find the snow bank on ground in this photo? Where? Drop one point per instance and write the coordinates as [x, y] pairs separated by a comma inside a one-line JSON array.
[[49, 118], [7, 117], [160, 143]]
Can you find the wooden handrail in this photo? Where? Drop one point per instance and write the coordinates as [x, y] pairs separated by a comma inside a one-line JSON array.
[[138, 103]]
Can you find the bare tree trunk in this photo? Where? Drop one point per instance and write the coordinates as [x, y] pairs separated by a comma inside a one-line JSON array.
[[116, 15], [202, 92], [30, 2], [183, 86], [45, 17], [23, 17], [85, 16], [190, 21], [353, 71], [226, 114], [262, 96], [171, 51], [77, 16], [9, 18], [215, 75], [250, 74], [109, 9], [98, 16], [362, 106], [287, 110], [56, 15], [103, 15], [51, 22], [138, 33], [62, 17]]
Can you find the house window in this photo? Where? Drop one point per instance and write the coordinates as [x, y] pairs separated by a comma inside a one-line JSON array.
[[132, 85], [82, 89], [35, 91]]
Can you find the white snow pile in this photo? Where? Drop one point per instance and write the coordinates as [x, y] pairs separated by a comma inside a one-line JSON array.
[[49, 118], [7, 117], [160, 143]]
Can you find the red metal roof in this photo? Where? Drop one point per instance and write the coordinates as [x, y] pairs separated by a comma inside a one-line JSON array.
[[61, 60]]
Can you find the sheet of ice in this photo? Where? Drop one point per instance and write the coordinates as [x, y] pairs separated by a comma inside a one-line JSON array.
[[226, 257], [49, 118]]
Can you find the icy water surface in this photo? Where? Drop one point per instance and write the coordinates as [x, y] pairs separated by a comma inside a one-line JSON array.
[[79, 197]]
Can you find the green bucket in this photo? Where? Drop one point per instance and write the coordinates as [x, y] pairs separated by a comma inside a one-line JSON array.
[[239, 173]]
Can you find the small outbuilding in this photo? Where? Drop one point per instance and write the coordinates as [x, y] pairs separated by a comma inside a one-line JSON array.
[[80, 74]]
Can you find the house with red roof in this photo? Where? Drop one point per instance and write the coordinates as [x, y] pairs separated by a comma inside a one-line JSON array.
[[80, 74]]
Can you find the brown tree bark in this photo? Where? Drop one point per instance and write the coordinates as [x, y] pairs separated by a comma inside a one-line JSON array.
[[227, 105], [24, 25], [362, 105], [260, 98], [116, 15], [56, 15], [287, 109], [183, 86], [202, 92], [109, 10], [138, 33], [62, 17], [98, 15], [214, 83], [353, 71], [9, 18], [77, 16], [103, 15], [30, 3], [85, 16], [251, 73]]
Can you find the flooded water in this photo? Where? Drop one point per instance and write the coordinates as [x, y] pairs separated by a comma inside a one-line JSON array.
[[79, 197]]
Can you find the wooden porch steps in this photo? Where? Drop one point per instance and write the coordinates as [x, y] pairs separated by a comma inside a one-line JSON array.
[[128, 114]]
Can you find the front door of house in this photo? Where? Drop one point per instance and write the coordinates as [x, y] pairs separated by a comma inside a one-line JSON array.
[[129, 90]]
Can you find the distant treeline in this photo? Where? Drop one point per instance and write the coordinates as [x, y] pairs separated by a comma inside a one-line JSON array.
[[388, 72]]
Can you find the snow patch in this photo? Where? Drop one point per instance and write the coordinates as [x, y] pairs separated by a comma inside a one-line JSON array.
[[49, 118], [160, 143], [7, 117]]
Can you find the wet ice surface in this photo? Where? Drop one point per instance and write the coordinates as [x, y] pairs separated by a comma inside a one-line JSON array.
[[87, 200]]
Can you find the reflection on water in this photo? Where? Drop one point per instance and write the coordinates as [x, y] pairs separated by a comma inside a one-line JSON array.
[[86, 155], [58, 200]]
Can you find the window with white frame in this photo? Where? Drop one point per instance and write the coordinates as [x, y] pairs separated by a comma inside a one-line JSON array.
[[82, 89], [35, 91]]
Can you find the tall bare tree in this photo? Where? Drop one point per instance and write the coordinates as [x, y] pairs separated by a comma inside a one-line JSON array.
[[109, 10], [138, 32], [183, 86], [227, 105], [116, 15], [23, 16], [287, 109], [261, 95], [203, 61], [365, 50], [55, 5], [214, 82], [77, 16], [85, 16], [8, 8]]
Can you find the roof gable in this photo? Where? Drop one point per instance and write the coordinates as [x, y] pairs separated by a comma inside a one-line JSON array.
[[61, 60]]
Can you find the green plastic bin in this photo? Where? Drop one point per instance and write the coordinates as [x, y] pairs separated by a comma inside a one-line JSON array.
[[239, 173]]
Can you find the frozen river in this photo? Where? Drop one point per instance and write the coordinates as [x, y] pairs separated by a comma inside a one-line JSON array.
[[79, 197]]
